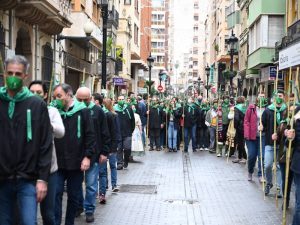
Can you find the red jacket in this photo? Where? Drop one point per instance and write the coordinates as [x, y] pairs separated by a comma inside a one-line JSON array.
[[250, 123]]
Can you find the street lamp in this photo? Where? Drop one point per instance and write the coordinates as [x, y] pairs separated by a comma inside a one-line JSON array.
[[88, 28], [104, 12], [231, 41], [207, 72], [150, 61]]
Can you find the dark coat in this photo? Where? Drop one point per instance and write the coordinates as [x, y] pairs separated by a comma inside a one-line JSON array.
[[239, 123], [114, 131], [295, 167], [127, 122], [71, 149], [190, 116], [201, 119], [142, 111], [101, 131], [19, 157], [156, 118]]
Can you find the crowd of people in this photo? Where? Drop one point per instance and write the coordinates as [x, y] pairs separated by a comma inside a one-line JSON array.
[[56, 140]]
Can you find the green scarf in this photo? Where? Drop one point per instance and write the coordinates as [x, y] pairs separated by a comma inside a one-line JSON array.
[[76, 107], [19, 97], [91, 105], [191, 107], [118, 108], [105, 110], [242, 107], [278, 111], [205, 107]]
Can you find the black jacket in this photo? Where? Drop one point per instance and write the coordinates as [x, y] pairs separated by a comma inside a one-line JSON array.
[[295, 167], [190, 116], [19, 157], [268, 124], [114, 131], [156, 118], [201, 119], [71, 149], [101, 131], [177, 113], [239, 122], [127, 122]]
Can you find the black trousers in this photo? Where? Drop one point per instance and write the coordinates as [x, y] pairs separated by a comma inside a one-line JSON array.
[[155, 137], [124, 151], [240, 141], [202, 137]]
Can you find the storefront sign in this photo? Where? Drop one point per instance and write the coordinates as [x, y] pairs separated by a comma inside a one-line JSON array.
[[118, 81], [269, 73], [289, 57], [142, 90]]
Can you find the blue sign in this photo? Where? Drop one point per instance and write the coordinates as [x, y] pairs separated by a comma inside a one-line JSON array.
[[273, 72], [118, 81]]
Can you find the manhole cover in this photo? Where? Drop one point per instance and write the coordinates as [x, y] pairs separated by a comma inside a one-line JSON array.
[[140, 189]]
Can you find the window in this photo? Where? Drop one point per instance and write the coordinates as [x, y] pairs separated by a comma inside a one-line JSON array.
[[136, 6], [196, 18], [195, 63], [127, 2], [136, 34], [265, 32], [196, 5], [276, 32], [195, 40], [95, 11], [47, 63]]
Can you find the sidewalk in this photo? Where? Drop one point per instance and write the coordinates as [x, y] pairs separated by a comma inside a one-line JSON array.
[[193, 188]]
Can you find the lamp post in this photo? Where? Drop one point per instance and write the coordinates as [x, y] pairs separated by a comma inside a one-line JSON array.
[[207, 72], [231, 41], [104, 12], [150, 61]]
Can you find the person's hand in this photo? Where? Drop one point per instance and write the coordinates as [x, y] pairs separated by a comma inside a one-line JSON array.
[[291, 134], [85, 164], [148, 112], [161, 126], [41, 190], [102, 159], [274, 137], [260, 127]]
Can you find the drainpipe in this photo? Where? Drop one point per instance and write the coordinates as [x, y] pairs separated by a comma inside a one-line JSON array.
[[35, 51], [10, 24], [54, 56]]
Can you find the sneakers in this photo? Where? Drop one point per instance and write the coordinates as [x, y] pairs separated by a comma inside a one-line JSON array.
[[151, 149], [279, 195], [158, 149], [268, 188], [236, 161], [174, 150], [125, 165], [249, 176], [194, 150], [244, 161], [119, 167], [89, 218], [115, 189], [219, 155], [102, 199], [261, 180], [170, 150]]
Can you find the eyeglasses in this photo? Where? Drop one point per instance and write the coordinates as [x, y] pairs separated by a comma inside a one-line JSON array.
[[11, 73]]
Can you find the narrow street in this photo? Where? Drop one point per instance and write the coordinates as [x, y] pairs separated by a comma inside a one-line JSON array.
[[193, 188]]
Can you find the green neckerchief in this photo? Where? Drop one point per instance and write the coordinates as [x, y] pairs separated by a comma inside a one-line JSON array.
[[91, 105], [118, 108], [19, 97], [205, 107], [278, 111], [105, 110], [75, 108], [241, 107], [191, 107]]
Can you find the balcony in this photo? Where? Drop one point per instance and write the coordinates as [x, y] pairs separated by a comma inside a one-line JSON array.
[[293, 33], [260, 57], [51, 15], [113, 18], [79, 65]]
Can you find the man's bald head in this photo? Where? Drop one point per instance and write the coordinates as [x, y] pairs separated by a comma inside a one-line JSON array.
[[83, 94]]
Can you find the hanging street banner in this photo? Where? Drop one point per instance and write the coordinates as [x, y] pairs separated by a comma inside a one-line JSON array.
[[142, 90], [118, 81]]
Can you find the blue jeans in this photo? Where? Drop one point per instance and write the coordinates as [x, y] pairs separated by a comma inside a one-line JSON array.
[[269, 159], [143, 135], [74, 180], [172, 136], [91, 179], [24, 192], [47, 206], [296, 219], [212, 137], [254, 153], [103, 179], [188, 133]]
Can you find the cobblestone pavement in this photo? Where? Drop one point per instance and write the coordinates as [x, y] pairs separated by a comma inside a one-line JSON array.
[[193, 188]]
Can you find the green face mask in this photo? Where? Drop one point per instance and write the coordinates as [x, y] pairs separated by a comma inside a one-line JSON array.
[[226, 101], [134, 110], [86, 103], [58, 103], [215, 106], [279, 101], [121, 103], [14, 83]]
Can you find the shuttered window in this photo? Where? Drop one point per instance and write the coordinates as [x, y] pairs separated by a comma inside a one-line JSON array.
[[275, 30]]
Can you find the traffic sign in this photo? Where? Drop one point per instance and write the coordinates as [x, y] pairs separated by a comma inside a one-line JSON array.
[[160, 88]]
